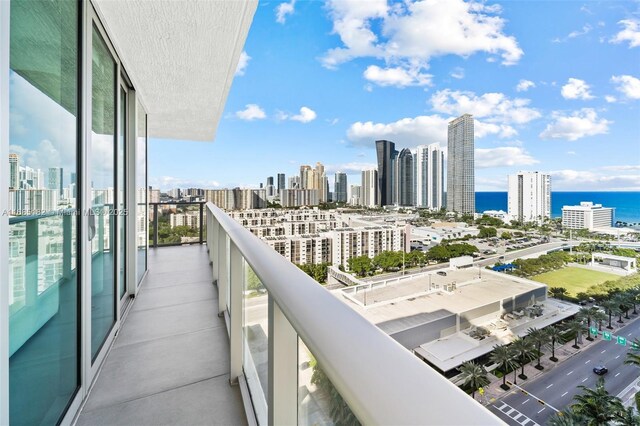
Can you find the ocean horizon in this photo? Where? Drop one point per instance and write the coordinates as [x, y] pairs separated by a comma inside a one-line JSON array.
[[625, 203]]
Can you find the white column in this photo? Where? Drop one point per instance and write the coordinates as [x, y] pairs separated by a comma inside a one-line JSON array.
[[283, 368], [235, 313]]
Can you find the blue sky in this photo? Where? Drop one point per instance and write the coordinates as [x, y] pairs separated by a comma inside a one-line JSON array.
[[554, 87]]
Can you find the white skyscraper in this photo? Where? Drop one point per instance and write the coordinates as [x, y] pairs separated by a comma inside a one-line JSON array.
[[529, 196], [461, 195], [429, 176], [369, 189]]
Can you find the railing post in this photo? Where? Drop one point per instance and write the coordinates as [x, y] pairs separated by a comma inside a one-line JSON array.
[[31, 262], [235, 313], [155, 225], [283, 368], [201, 223], [214, 248], [223, 272]]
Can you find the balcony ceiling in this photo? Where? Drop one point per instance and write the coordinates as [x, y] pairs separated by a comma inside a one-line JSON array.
[[181, 56]]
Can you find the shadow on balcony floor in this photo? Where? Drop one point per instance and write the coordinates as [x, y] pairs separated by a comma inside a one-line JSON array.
[[170, 362]]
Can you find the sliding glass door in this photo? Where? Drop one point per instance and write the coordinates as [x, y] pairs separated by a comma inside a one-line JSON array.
[[102, 222]]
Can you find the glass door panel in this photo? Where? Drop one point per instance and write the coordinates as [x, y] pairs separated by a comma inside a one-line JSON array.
[[121, 199], [44, 323], [103, 182]]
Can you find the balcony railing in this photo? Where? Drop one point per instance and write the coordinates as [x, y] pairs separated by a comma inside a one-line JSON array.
[[306, 357], [173, 224]]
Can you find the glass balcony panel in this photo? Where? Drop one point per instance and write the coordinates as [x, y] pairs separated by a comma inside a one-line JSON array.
[[177, 223], [255, 328], [319, 403]]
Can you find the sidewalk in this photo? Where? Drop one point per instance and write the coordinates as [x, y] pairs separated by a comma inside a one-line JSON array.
[[493, 391]]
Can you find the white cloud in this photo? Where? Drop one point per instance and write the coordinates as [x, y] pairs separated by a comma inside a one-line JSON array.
[[594, 180], [305, 116], [524, 85], [576, 89], [349, 168], [495, 107], [165, 183], [242, 63], [585, 30], [610, 99], [457, 72], [423, 129], [571, 152], [505, 156], [621, 167], [283, 10], [411, 33], [579, 124], [630, 33], [627, 85], [397, 76], [251, 112]]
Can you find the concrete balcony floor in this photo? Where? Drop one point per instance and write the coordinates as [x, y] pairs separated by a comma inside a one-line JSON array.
[[169, 364]]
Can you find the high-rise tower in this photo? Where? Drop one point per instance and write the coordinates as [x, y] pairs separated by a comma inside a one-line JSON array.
[[529, 197], [429, 176], [406, 178], [340, 188], [386, 151], [460, 166]]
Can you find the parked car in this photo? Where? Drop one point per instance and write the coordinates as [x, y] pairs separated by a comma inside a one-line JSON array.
[[600, 370], [443, 273]]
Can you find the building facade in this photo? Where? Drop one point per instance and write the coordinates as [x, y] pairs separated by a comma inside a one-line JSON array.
[[406, 178], [587, 216], [529, 197], [387, 155], [369, 191], [340, 188], [299, 197], [460, 166], [429, 176]]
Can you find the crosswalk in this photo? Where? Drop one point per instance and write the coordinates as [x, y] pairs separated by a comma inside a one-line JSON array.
[[516, 415]]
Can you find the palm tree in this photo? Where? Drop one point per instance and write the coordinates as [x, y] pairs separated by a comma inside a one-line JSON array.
[[566, 418], [558, 292], [524, 351], [634, 294], [503, 356], [609, 307], [557, 338], [598, 318], [574, 326], [597, 405], [633, 356], [628, 417], [474, 376], [586, 314], [620, 307], [629, 302], [538, 338]]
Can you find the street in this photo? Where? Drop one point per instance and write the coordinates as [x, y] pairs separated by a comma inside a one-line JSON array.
[[558, 386]]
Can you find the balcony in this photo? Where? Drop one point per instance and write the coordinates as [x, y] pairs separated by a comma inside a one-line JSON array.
[[266, 339], [170, 362]]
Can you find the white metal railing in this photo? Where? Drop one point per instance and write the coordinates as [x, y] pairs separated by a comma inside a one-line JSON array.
[[380, 380]]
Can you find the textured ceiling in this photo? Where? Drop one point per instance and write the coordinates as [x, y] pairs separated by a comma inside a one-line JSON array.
[[181, 56]]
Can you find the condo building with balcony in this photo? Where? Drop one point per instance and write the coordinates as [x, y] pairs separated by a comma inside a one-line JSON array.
[[97, 326]]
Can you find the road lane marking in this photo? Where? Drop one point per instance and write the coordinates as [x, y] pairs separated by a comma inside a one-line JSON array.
[[564, 394], [629, 334], [543, 408], [549, 385], [584, 380], [515, 414], [617, 374], [569, 372], [603, 351], [527, 400], [588, 361], [618, 357]]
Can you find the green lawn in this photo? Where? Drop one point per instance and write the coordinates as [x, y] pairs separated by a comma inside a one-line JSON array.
[[575, 280]]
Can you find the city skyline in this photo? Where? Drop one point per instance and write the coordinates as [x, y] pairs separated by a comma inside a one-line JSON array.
[[533, 111]]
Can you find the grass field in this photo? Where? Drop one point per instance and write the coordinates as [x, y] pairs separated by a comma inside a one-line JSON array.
[[575, 280]]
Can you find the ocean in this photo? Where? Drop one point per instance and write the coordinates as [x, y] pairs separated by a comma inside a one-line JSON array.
[[626, 204]]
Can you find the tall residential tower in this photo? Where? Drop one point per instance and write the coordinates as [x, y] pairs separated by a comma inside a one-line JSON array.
[[429, 176], [387, 154], [529, 197], [460, 166]]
